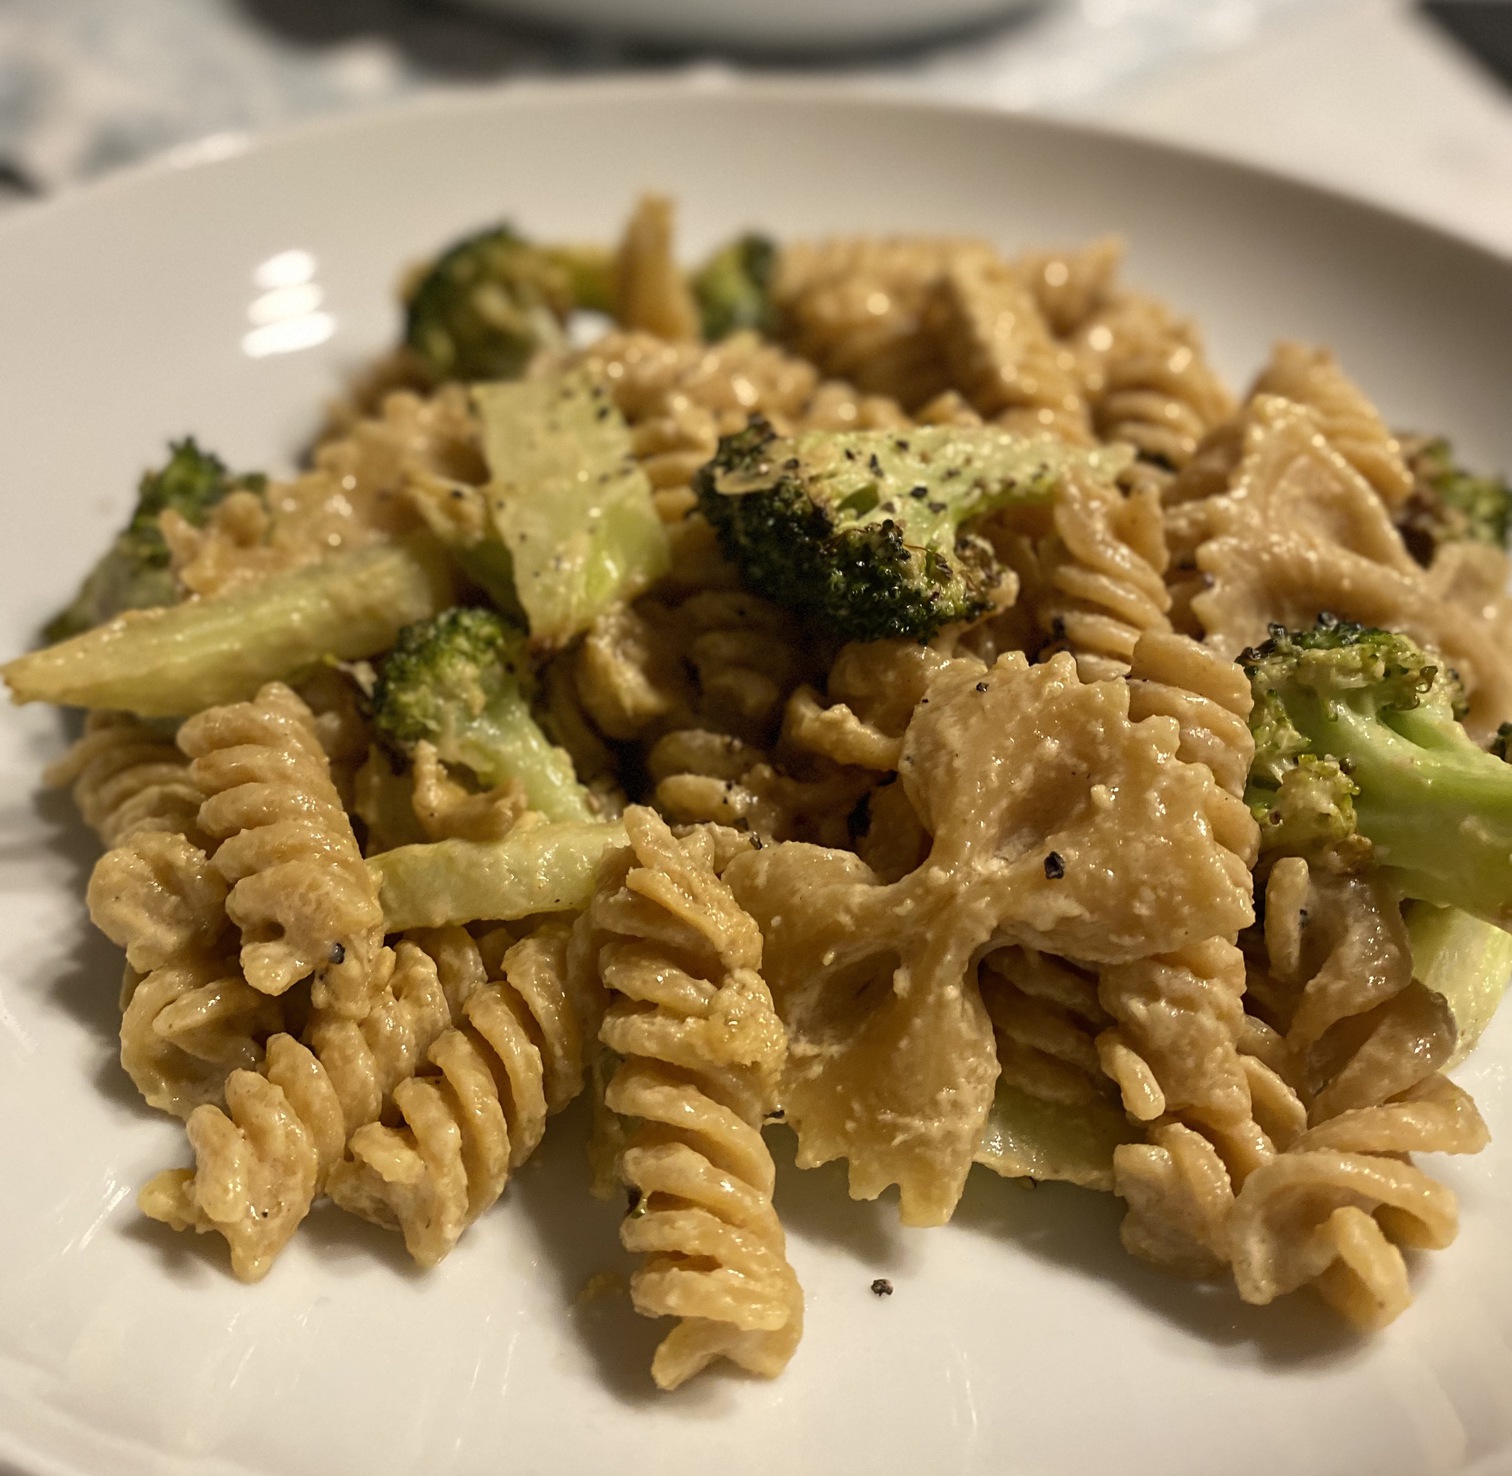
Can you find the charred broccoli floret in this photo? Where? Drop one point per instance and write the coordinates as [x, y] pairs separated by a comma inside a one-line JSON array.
[[868, 530], [463, 681], [1450, 504], [733, 287], [1375, 716], [133, 573], [489, 302]]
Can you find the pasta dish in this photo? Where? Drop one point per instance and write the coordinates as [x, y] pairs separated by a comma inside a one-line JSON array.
[[877, 686]]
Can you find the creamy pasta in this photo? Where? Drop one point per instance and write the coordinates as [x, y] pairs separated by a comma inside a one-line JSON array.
[[1021, 875]]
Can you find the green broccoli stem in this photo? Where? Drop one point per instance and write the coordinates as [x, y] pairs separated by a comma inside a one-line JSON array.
[[1436, 809], [168, 662], [1464, 960], [537, 868], [504, 742]]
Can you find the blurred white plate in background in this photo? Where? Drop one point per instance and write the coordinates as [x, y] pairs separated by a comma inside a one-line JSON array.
[[1020, 1338], [773, 25]]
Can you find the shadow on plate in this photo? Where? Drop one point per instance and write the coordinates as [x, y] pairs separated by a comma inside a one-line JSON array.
[[577, 1239], [85, 980], [1078, 1229]]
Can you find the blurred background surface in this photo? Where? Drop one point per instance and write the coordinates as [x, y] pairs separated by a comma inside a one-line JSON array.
[[1385, 98]]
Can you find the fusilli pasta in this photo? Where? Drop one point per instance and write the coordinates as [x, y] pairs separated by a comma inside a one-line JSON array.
[[702, 1052]]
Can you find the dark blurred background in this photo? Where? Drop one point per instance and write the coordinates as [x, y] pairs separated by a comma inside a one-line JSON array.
[[1405, 102]]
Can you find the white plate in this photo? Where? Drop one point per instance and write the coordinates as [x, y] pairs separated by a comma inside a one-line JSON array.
[[1020, 1338]]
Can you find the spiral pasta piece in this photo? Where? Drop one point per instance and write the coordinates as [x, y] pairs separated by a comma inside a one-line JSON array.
[[1101, 574], [1046, 1016], [187, 1025], [1071, 287], [515, 1056], [1209, 697], [1350, 423], [702, 1050], [300, 892], [128, 778], [260, 1162], [1330, 1210], [350, 497], [1339, 989], [855, 306], [1152, 387]]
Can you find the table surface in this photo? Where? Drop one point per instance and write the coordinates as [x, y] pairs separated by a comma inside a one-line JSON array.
[[1366, 95]]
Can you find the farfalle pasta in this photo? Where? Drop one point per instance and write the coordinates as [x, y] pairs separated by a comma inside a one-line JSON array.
[[878, 685]]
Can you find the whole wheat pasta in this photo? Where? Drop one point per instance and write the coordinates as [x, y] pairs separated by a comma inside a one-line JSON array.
[[855, 306], [478, 1110], [127, 776], [988, 894], [702, 1050], [261, 1161], [1152, 387], [1351, 424], [299, 893], [1101, 575], [999, 353]]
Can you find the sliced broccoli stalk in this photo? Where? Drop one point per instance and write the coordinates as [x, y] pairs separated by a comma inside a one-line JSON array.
[[1463, 959], [535, 868], [463, 681], [1452, 505], [866, 529], [566, 526], [1436, 809], [486, 306], [733, 288], [134, 573], [1026, 1137], [167, 662]]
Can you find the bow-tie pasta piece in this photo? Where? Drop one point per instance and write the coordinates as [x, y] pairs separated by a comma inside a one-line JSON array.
[[1060, 824]]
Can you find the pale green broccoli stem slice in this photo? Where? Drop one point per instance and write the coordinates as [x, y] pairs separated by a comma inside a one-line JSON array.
[[870, 531], [534, 869], [733, 288], [491, 301], [134, 572], [1465, 960], [1026, 1137], [463, 682], [566, 526], [173, 661]]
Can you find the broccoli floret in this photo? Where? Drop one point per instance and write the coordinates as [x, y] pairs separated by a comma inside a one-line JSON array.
[[133, 573], [463, 681], [865, 529], [1450, 504], [487, 304], [1376, 714], [733, 288]]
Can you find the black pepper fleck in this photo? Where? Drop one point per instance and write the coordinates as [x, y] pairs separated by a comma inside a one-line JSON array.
[[882, 1287], [338, 953], [981, 686], [1055, 867]]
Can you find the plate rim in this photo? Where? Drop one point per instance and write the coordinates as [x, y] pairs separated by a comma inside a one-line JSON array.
[[715, 82]]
